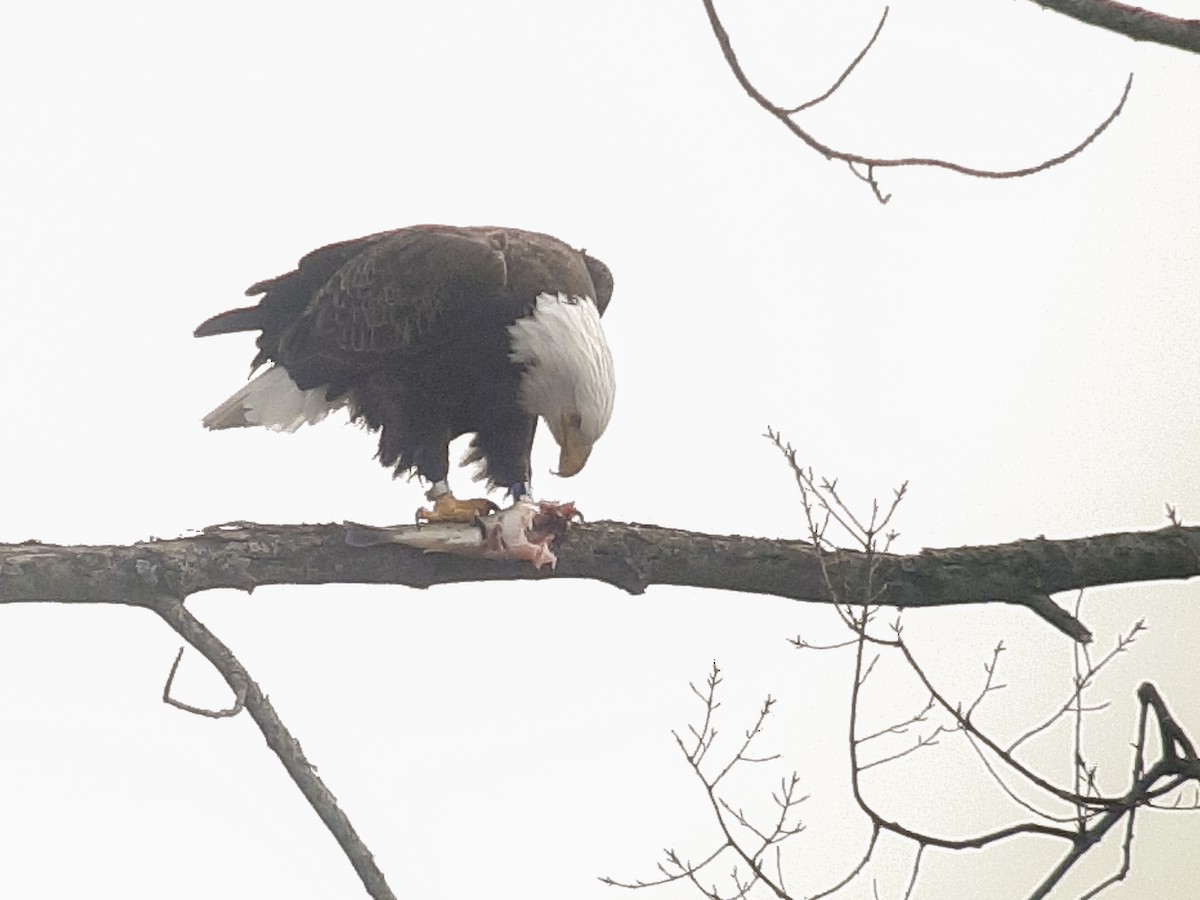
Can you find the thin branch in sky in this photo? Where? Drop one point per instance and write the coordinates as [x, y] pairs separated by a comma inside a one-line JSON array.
[[782, 826], [172, 611], [916, 870], [864, 166], [809, 104], [1123, 643], [1177, 765], [988, 685]]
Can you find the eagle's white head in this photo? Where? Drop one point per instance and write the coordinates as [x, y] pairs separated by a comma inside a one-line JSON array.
[[568, 378]]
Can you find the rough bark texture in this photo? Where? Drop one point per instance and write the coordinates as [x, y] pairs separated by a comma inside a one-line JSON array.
[[1131, 21], [160, 575], [629, 556]]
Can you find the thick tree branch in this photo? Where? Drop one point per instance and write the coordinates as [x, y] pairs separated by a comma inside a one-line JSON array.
[[629, 556], [1131, 21]]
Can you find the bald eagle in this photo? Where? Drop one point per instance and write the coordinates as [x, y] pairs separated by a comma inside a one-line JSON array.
[[431, 332]]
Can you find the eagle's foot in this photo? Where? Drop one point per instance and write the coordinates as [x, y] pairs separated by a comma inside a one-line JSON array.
[[448, 508]]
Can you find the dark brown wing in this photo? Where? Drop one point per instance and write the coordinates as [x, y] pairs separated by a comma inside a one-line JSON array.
[[385, 297], [353, 306], [286, 298]]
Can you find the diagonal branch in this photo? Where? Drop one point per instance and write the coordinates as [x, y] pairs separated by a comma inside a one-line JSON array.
[[809, 104], [278, 738], [1131, 21]]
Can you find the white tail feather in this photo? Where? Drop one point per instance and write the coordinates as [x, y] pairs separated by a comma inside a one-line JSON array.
[[272, 400]]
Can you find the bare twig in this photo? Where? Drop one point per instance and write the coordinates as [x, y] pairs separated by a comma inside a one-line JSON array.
[[900, 727], [682, 870], [1092, 669], [977, 841], [1177, 764], [988, 686], [868, 164], [916, 869], [1173, 515], [704, 737], [990, 767], [1092, 814], [172, 611], [925, 740], [1026, 773], [727, 815], [858, 868], [239, 696], [845, 74]]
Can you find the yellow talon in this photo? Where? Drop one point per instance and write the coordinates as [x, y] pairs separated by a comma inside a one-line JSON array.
[[448, 508]]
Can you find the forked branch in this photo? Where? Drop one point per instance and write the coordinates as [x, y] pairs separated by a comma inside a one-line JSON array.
[[1176, 766], [749, 854], [278, 738], [1092, 814], [864, 166]]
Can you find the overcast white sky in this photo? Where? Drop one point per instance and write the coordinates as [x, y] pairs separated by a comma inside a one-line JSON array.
[[1023, 352]]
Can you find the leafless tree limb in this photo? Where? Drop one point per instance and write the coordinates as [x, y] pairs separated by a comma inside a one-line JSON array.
[[809, 104], [1084, 679], [157, 575], [988, 685], [862, 166], [1093, 815], [916, 870], [986, 740], [172, 611], [782, 827], [858, 867], [899, 727], [1131, 21], [974, 842], [628, 556], [1177, 765]]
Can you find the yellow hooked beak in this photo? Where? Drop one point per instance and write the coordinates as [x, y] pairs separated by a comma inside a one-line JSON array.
[[574, 451]]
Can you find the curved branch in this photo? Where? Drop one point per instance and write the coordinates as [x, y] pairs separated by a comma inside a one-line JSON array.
[[1131, 21], [628, 556], [809, 104], [869, 163], [857, 870], [975, 842]]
